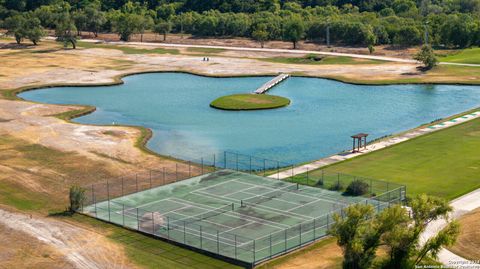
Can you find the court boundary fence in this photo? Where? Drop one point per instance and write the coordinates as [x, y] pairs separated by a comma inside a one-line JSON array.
[[242, 250]]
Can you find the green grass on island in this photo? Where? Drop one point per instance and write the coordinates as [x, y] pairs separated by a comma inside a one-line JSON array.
[[467, 56], [249, 102], [445, 163]]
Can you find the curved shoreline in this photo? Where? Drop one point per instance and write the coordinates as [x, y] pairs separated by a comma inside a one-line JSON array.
[[147, 133]]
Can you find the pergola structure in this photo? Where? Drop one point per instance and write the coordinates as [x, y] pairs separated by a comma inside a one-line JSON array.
[[359, 140]]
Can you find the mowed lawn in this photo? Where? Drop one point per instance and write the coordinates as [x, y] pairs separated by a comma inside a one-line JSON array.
[[468, 56], [444, 163]]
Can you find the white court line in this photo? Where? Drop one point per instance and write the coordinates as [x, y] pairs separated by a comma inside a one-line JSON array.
[[227, 231], [271, 198], [291, 209], [226, 195], [261, 221], [204, 220], [299, 194], [278, 211], [214, 185]]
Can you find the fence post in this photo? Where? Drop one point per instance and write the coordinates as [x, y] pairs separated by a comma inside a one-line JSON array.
[[235, 237], [225, 159], [201, 243], [138, 221], [250, 164], [122, 186], [136, 181], [307, 176], [108, 202], [300, 234], [184, 233], [323, 173], [168, 227], [285, 240], [202, 165], [328, 215], [338, 179], [278, 170], [270, 245], [293, 171], [189, 169], [236, 161], [218, 244], [150, 178], [108, 191], [123, 214], [214, 162], [254, 251], [164, 175], [314, 228], [176, 172], [153, 224], [264, 167]]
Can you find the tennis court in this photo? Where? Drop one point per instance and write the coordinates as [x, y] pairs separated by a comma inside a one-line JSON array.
[[238, 215]]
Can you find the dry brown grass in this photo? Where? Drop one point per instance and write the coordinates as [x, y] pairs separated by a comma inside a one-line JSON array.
[[468, 243]]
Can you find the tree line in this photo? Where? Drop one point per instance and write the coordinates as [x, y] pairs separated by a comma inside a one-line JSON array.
[[447, 23]]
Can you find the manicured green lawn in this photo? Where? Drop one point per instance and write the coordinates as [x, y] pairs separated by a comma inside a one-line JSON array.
[[249, 102], [444, 163], [317, 59], [469, 56]]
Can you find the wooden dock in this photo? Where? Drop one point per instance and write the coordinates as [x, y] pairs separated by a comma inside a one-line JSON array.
[[272, 83]]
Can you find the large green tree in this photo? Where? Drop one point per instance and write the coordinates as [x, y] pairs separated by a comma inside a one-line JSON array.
[[293, 30]]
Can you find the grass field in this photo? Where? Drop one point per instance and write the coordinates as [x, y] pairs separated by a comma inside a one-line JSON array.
[[249, 102], [322, 60], [468, 242], [444, 163], [468, 56], [126, 49]]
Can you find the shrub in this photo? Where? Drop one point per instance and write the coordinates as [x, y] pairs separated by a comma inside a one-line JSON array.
[[357, 188], [337, 186], [77, 197]]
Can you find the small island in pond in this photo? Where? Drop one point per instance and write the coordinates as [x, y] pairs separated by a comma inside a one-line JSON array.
[[249, 102]]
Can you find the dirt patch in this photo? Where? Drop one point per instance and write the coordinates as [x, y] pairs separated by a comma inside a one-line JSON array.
[[468, 243], [73, 246]]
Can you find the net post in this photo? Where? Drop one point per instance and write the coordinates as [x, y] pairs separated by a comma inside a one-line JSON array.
[[123, 215], [218, 244], [233, 206], [150, 178]]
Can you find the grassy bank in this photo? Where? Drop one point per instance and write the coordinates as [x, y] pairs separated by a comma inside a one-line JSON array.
[[320, 60], [249, 102], [444, 163]]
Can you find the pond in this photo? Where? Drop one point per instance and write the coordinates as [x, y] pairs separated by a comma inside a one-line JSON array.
[[322, 116]]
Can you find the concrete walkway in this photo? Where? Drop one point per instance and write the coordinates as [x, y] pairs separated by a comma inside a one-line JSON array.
[[461, 206], [374, 146]]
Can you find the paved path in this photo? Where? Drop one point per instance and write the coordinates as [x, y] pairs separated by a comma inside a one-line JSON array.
[[374, 146], [461, 206]]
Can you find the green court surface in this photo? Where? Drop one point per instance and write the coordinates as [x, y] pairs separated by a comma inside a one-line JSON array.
[[241, 216]]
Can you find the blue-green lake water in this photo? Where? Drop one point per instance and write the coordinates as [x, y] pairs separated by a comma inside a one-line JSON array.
[[319, 122]]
